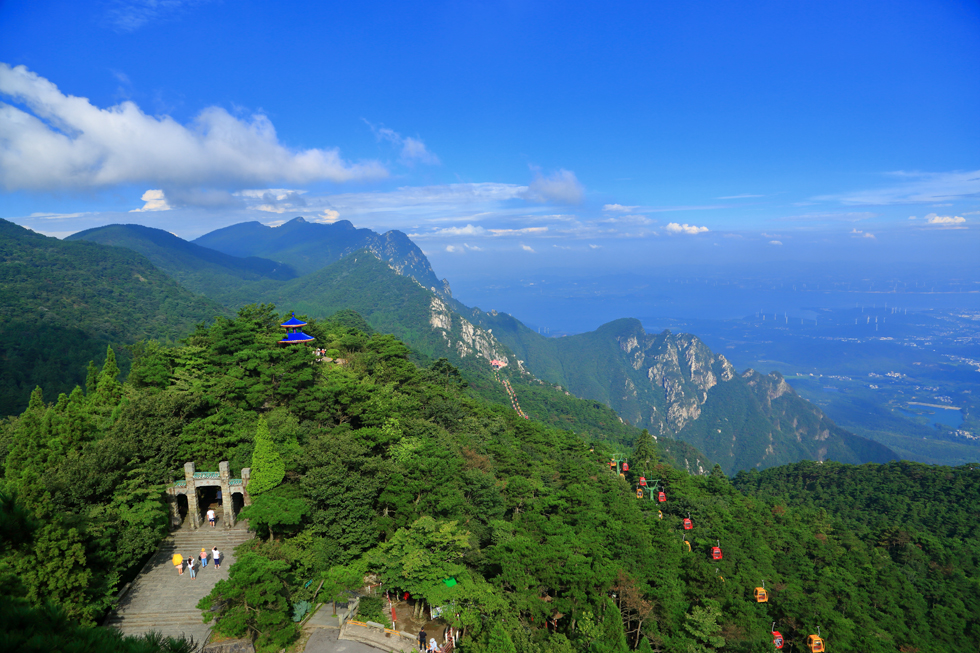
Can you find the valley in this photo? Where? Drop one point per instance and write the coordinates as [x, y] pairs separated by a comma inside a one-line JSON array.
[[913, 384]]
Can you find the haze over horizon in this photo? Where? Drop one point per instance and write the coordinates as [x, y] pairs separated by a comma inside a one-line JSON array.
[[512, 140]]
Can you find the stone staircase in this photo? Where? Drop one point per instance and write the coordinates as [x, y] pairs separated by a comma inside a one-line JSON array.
[[158, 599]]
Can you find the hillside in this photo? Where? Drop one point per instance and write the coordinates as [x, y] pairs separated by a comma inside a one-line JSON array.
[[379, 466], [671, 384], [675, 386], [199, 269], [309, 246], [62, 303], [922, 517]]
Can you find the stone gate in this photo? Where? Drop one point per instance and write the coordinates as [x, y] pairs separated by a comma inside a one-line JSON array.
[[194, 480]]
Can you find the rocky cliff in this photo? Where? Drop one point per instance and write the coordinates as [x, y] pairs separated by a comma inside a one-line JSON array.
[[675, 386]]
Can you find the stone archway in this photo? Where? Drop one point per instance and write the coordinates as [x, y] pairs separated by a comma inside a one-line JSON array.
[[211, 482]]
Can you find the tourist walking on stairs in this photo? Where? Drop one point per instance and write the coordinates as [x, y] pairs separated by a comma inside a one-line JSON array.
[[204, 558], [190, 565], [216, 556], [178, 561], [211, 517]]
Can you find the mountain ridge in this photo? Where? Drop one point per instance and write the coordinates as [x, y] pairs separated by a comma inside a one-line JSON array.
[[309, 246], [671, 384]]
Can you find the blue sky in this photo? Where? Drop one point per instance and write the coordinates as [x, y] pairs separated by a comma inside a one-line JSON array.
[[539, 134]]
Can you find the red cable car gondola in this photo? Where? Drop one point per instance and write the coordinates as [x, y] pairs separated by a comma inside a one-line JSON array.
[[716, 552], [661, 497], [688, 524], [626, 466], [643, 481], [777, 637]]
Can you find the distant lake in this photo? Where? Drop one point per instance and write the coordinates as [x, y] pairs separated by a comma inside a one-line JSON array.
[[950, 418]]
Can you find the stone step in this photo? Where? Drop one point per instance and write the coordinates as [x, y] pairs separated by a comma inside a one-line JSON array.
[[150, 620]]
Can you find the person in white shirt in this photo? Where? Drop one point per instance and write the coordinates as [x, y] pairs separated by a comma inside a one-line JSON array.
[[211, 517]]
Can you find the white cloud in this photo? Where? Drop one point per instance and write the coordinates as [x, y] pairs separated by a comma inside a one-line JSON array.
[[155, 201], [518, 232], [857, 233], [412, 149], [63, 141], [945, 220], [130, 15], [775, 242], [452, 248], [591, 246], [472, 247], [832, 216], [328, 216], [562, 187], [619, 208], [917, 187], [632, 219], [468, 230], [56, 216], [674, 228], [526, 248]]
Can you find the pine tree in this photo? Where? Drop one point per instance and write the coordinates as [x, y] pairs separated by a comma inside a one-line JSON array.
[[108, 390], [500, 641], [268, 468]]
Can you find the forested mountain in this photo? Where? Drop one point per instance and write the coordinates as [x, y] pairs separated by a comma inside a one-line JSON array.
[[674, 385], [199, 269], [309, 246], [62, 303], [922, 517], [379, 466], [671, 384]]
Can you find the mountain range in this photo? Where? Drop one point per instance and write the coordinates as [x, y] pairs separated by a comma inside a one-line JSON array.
[[671, 384]]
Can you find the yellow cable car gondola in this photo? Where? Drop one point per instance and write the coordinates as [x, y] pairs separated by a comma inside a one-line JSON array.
[[686, 543], [660, 514], [760, 594], [815, 642], [639, 493]]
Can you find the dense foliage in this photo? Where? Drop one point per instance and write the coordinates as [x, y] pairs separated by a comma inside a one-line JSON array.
[[64, 302], [924, 518], [397, 470]]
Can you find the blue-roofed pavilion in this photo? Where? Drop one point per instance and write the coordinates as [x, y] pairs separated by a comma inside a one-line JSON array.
[[294, 333]]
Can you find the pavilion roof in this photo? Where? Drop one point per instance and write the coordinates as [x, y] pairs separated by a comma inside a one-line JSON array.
[[293, 322]]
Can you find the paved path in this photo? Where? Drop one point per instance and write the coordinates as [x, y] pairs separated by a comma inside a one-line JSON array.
[[161, 600], [324, 640]]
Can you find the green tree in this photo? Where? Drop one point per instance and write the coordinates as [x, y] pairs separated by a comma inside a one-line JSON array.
[[270, 510], [253, 602], [268, 468], [500, 641], [420, 557], [702, 623]]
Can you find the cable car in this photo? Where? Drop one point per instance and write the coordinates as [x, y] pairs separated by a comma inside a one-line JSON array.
[[760, 595], [688, 545], [639, 493], [718, 571], [626, 466], [612, 464], [660, 514], [716, 552], [777, 638], [688, 524], [621, 475], [815, 643], [661, 497], [643, 481]]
